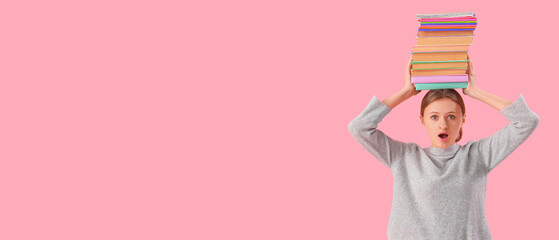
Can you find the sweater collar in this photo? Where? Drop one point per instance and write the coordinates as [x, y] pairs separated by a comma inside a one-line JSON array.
[[449, 151]]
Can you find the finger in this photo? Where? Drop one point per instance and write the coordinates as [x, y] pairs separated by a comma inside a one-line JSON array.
[[470, 66], [408, 68]]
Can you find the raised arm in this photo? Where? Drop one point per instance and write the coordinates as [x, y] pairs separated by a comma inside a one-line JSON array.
[[406, 92], [364, 127], [523, 122], [473, 91]]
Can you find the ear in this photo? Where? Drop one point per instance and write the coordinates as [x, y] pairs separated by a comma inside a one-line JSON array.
[[421, 118], [464, 119]]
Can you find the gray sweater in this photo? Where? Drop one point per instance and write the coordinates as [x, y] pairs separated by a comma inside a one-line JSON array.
[[439, 193]]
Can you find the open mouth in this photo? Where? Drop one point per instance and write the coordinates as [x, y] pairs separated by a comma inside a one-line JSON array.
[[443, 136]]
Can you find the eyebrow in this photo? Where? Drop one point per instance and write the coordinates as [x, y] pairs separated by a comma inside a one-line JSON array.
[[447, 112]]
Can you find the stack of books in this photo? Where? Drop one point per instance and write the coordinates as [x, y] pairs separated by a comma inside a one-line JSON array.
[[440, 57]]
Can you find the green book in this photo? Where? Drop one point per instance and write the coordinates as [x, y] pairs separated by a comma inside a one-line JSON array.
[[436, 68], [428, 86], [421, 62]]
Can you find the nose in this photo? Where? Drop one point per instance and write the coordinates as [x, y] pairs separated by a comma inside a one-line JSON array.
[[443, 124]]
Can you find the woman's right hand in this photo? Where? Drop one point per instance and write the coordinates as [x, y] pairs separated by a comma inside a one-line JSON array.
[[406, 92], [408, 86]]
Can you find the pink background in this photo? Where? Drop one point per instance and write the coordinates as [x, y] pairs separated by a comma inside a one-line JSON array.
[[228, 119]]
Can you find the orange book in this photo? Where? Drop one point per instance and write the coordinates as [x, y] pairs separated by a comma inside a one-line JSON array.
[[444, 33], [439, 56], [450, 40], [435, 65], [438, 72], [444, 48]]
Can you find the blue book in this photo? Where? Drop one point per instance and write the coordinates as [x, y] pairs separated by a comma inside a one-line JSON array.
[[429, 86]]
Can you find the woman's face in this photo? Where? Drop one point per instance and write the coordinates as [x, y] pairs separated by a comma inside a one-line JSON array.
[[443, 120]]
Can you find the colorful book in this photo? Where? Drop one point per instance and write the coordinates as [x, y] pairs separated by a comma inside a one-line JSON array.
[[439, 78], [441, 48], [447, 22], [448, 28], [444, 33], [451, 24], [454, 71], [445, 29], [449, 40], [447, 19], [439, 56], [446, 15], [434, 65], [429, 86]]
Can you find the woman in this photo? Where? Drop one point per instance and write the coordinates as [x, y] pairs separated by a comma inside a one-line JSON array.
[[439, 191]]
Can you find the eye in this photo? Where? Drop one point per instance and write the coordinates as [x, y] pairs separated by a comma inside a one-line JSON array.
[[434, 117], [451, 117]]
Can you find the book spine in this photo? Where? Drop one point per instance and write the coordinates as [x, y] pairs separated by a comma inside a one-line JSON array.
[[439, 78], [436, 22], [448, 19], [420, 62], [439, 48], [448, 26], [443, 37], [449, 23], [429, 86], [451, 68], [445, 29], [446, 15]]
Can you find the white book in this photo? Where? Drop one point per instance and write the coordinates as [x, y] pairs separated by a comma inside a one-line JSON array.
[[446, 15]]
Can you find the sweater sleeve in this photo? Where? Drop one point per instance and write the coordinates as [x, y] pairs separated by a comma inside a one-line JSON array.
[[497, 147], [364, 129]]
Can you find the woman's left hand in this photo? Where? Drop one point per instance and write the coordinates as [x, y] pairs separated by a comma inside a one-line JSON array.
[[471, 79]]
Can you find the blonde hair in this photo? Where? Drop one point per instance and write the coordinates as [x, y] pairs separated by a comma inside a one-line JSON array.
[[436, 94]]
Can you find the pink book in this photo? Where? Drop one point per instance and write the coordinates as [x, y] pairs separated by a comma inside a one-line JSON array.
[[439, 78], [448, 19]]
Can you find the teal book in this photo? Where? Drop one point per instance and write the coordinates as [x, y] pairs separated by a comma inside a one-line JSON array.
[[429, 86]]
